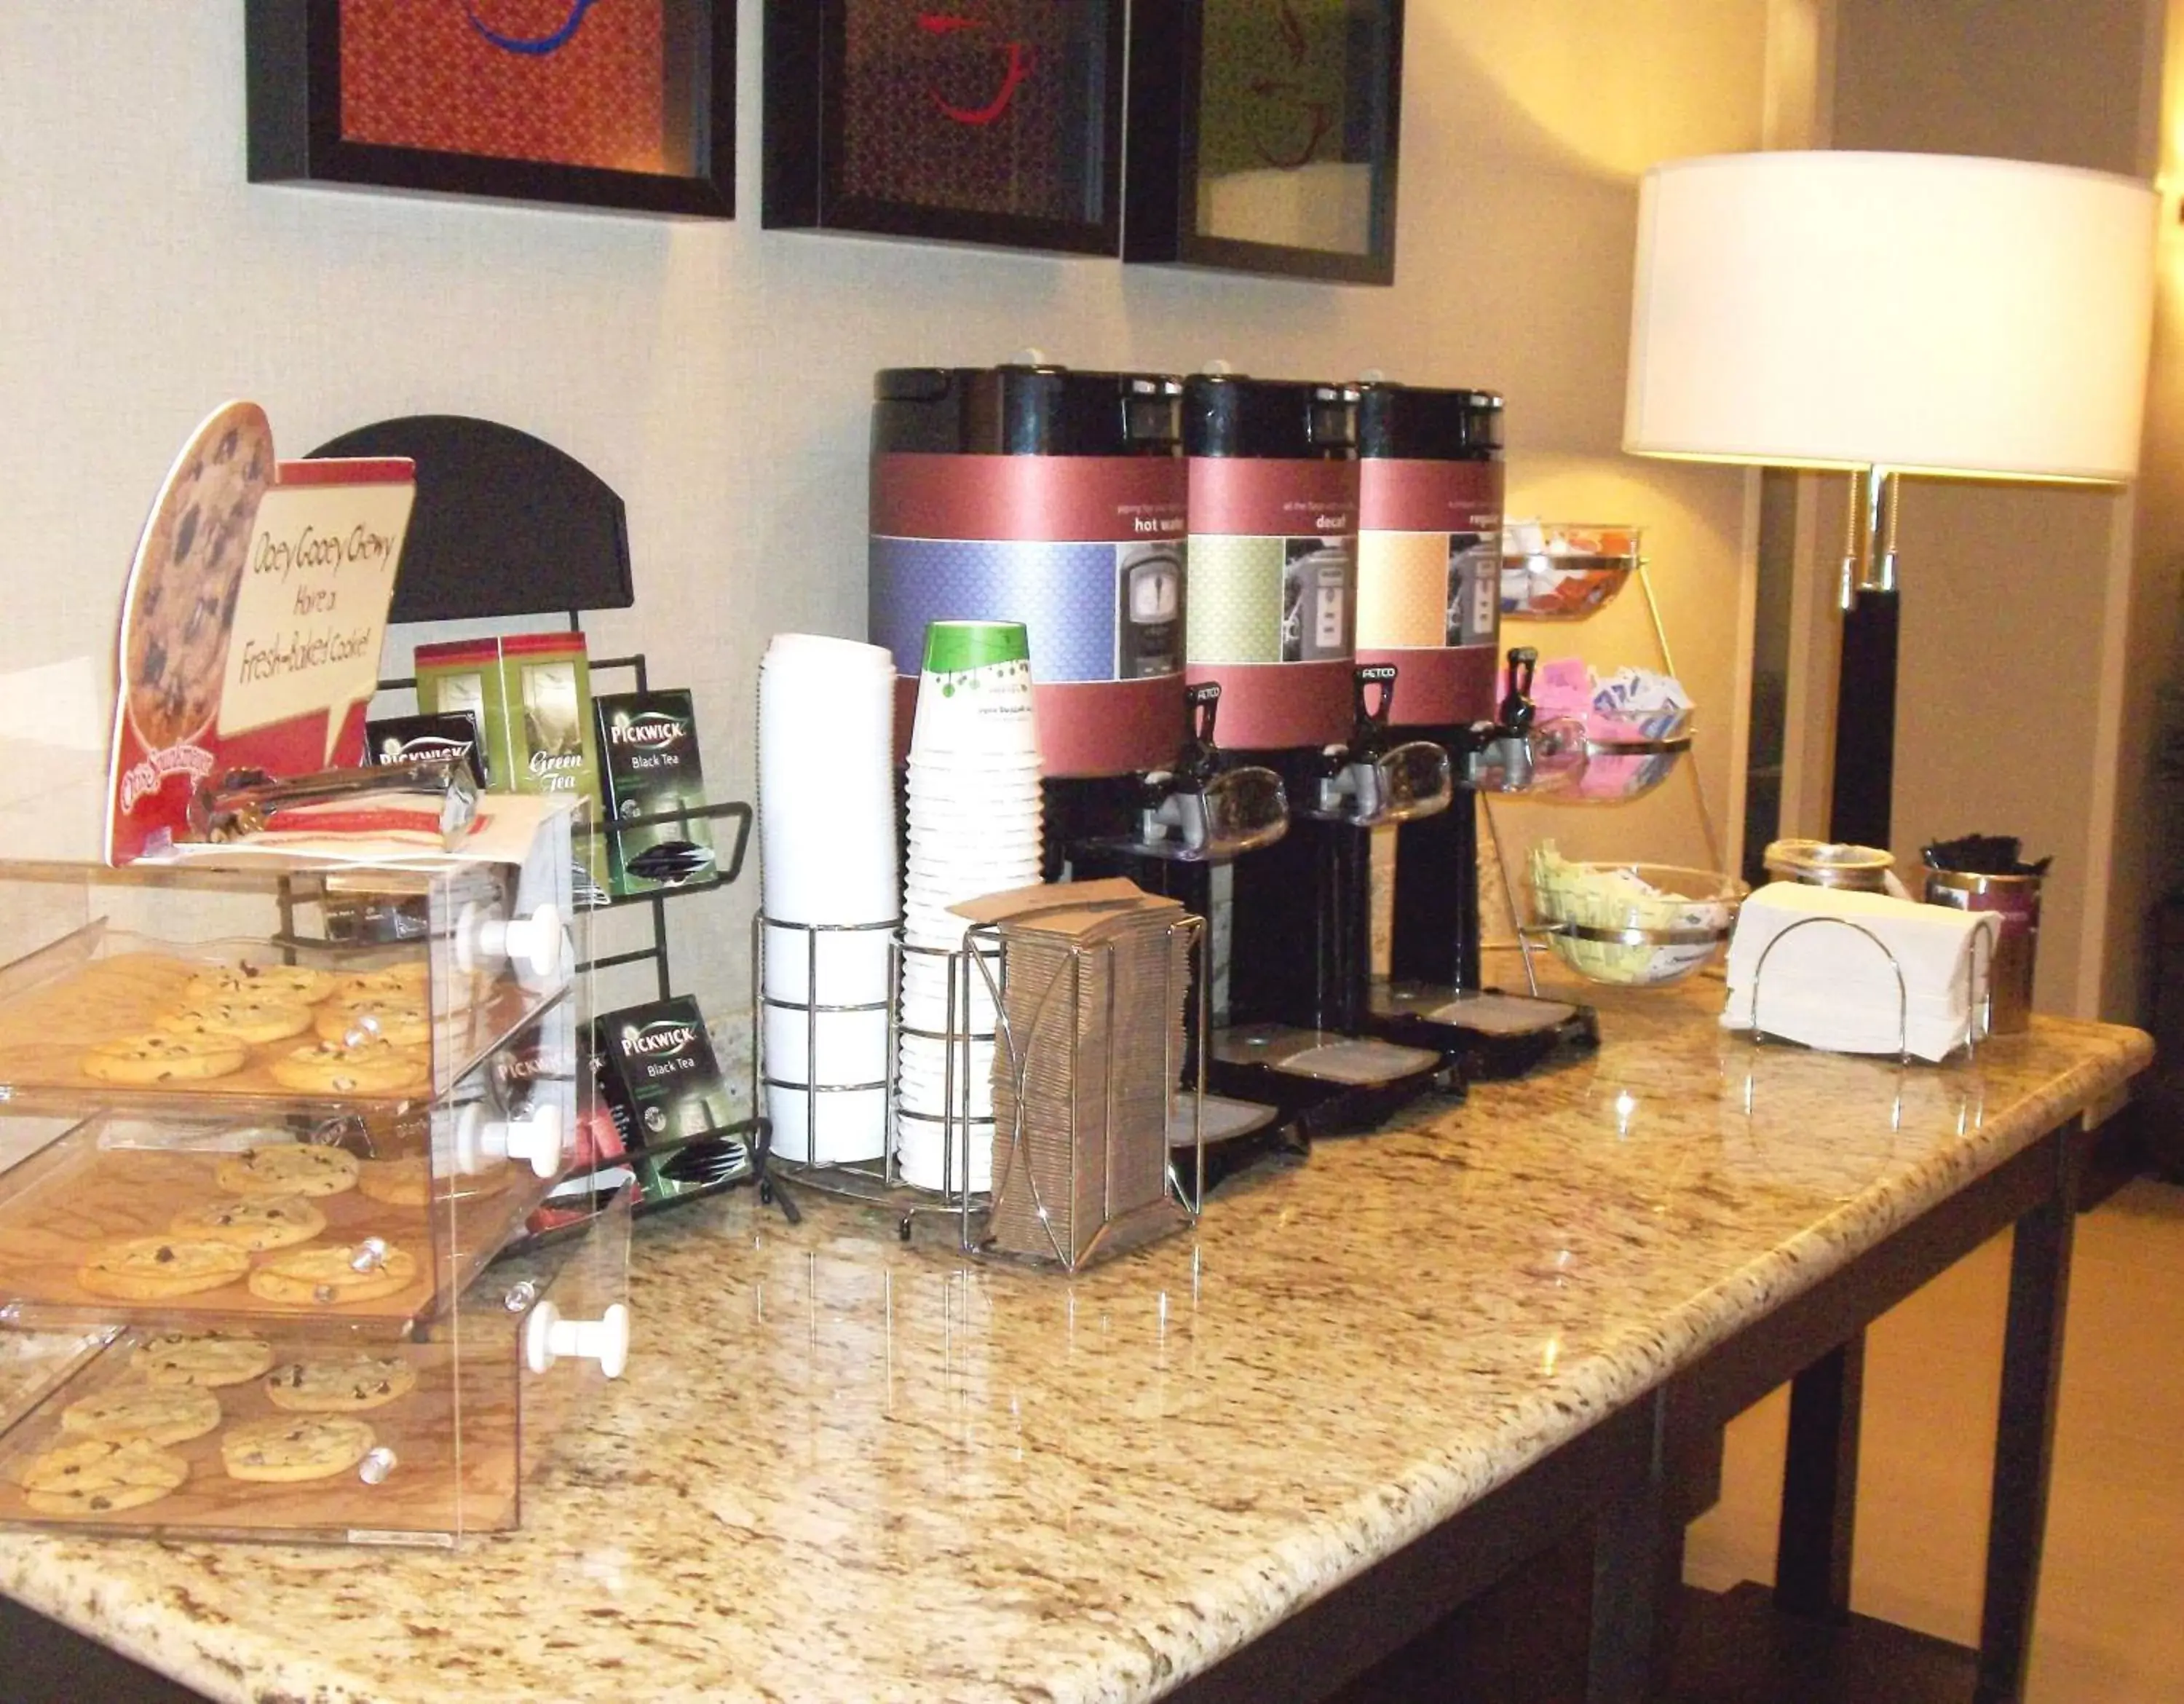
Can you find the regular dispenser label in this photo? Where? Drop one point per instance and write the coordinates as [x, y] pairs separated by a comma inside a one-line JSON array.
[[1429, 554]]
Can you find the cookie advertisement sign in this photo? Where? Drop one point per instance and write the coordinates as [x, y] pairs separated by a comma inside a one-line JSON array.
[[252, 622]]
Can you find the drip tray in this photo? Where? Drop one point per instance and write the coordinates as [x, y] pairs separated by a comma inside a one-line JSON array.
[[1321, 1056], [1499, 1014], [1225, 1119]]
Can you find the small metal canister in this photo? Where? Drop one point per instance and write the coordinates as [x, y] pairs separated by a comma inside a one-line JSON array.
[[1823, 863], [2015, 902]]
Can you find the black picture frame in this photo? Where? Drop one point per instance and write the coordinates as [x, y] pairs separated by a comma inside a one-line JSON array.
[[292, 53], [1163, 224], [810, 156]]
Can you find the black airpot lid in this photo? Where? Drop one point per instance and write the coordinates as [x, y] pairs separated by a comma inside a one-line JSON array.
[[1025, 410], [1285, 420], [1418, 423]]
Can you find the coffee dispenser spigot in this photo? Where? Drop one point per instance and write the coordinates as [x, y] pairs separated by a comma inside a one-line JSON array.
[[1523, 751], [1203, 809], [1373, 782]]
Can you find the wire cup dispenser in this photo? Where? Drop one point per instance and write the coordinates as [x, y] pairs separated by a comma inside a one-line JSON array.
[[1065, 1194]]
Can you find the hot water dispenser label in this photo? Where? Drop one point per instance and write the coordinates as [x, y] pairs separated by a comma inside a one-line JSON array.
[[1088, 552], [1095, 612]]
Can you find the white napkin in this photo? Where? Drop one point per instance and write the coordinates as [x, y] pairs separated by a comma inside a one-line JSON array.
[[1835, 987]]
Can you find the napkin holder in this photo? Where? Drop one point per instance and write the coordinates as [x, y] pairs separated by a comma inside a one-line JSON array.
[[1091, 1050]]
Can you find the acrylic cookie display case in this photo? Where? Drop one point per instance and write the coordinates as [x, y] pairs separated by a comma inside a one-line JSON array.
[[260, 1300]]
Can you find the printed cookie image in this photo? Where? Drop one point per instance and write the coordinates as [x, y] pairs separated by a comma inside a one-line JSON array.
[[339, 1387], [127, 1411], [368, 1068], [158, 1269], [242, 1017], [293, 984], [398, 1183], [402, 1024], [161, 1056], [287, 1168], [288, 1449], [254, 1224], [328, 1274], [189, 572], [93, 1476], [208, 1360]]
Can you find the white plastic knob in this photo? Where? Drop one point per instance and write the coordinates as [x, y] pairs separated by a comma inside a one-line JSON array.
[[484, 941], [548, 1338], [535, 1138]]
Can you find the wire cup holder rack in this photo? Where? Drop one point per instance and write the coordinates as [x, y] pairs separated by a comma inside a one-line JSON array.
[[980, 965]]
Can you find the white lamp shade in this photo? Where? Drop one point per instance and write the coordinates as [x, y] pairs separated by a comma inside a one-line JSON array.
[[1924, 313]]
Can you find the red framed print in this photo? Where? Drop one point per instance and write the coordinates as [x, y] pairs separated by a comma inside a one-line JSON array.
[[1263, 136], [995, 122], [608, 104]]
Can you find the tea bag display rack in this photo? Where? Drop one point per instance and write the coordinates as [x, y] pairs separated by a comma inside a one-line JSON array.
[[1675, 748], [966, 1213], [724, 872]]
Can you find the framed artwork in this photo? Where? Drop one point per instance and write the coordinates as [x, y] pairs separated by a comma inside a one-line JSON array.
[[605, 103], [1263, 136], [995, 122]]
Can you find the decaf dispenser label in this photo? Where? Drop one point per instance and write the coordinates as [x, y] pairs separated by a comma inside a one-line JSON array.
[[1273, 561]]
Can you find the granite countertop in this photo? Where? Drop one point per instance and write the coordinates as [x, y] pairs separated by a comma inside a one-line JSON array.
[[842, 1468]]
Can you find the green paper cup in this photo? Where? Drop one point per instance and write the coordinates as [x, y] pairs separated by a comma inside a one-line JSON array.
[[956, 647], [974, 698]]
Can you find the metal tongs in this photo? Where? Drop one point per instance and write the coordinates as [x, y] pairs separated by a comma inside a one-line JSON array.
[[243, 801], [1201, 811], [1372, 784]]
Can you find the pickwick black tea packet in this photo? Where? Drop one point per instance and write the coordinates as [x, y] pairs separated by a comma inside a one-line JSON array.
[[662, 1083], [421, 739], [648, 767]]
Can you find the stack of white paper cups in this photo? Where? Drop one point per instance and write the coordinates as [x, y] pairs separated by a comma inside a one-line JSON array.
[[826, 778], [974, 829]]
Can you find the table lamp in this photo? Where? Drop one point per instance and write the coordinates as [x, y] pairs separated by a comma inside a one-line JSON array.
[[1889, 316]]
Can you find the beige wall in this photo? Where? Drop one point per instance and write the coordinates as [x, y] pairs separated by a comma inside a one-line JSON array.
[[718, 374], [2017, 678]]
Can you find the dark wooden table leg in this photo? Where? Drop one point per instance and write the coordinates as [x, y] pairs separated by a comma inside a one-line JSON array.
[[1819, 1486], [1637, 1572], [2025, 1433]]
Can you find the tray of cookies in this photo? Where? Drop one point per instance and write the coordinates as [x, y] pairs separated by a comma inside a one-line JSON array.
[[130, 1218], [118, 1019], [235, 1433]]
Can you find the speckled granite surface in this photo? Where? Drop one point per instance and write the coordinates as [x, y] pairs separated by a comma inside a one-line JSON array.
[[842, 1469]]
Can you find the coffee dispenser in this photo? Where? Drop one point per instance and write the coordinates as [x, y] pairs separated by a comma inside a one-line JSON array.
[[1428, 605], [1036, 494], [1270, 650]]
